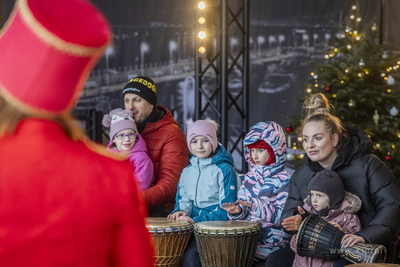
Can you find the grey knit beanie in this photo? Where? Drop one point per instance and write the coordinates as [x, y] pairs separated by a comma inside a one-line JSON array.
[[330, 183], [119, 120]]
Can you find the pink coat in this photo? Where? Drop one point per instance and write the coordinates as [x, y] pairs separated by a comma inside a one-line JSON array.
[[345, 216], [142, 165]]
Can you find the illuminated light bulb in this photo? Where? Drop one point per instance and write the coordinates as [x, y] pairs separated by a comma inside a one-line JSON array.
[[358, 19], [388, 90], [334, 95], [202, 35], [202, 49], [366, 72], [300, 138], [202, 20], [312, 73], [378, 145], [346, 70], [352, 16], [398, 135], [326, 56], [331, 55], [348, 46], [398, 62], [383, 74], [301, 155], [395, 68], [355, 32], [316, 85], [201, 5], [335, 50], [358, 38], [309, 90], [393, 146], [342, 81], [359, 75], [353, 7]]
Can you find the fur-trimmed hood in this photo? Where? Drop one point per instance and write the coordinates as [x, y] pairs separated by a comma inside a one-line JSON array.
[[350, 204]]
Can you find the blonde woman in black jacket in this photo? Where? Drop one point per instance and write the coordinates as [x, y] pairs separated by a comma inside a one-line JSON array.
[[349, 152]]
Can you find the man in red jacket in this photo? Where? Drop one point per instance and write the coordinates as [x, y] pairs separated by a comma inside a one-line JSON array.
[[165, 141], [64, 201]]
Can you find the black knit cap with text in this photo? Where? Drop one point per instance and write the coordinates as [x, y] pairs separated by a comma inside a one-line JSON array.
[[143, 87]]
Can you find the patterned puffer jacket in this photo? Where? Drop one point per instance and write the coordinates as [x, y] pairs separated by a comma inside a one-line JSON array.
[[266, 187]]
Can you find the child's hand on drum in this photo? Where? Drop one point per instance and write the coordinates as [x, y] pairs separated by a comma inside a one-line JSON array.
[[350, 240], [185, 218], [293, 223], [244, 203], [176, 215], [231, 208], [336, 225]]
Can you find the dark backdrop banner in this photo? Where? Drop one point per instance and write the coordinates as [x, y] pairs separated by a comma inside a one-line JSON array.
[[156, 38]]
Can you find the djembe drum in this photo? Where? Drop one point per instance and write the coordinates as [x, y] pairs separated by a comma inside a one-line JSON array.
[[227, 243], [318, 239], [170, 239]]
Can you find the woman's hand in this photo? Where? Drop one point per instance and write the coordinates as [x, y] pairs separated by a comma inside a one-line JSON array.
[[176, 215], [231, 208], [185, 218], [350, 240], [244, 203], [293, 223], [336, 225]]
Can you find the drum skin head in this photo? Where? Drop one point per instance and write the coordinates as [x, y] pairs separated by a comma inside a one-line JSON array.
[[226, 225], [161, 222]]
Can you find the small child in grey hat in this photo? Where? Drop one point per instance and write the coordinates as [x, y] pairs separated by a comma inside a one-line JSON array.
[[328, 199], [125, 138]]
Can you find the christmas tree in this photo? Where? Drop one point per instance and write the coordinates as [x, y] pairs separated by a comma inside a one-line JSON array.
[[358, 79]]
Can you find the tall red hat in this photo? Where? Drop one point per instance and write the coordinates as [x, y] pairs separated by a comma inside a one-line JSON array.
[[47, 49]]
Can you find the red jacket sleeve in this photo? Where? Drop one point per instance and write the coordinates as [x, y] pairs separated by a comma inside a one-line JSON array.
[[174, 157]]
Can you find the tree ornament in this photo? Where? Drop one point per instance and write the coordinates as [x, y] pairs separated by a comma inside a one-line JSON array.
[[390, 80], [374, 27], [361, 63], [343, 36], [376, 118], [347, 29], [289, 156], [289, 129], [385, 55], [394, 111], [328, 88], [388, 157], [352, 103]]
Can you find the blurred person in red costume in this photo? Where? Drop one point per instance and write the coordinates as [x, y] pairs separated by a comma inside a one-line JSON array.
[[165, 141], [64, 200]]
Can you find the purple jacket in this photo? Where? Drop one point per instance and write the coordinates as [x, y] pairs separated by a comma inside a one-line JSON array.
[[142, 165], [345, 216]]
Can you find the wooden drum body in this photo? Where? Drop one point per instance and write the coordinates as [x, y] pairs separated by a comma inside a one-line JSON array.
[[170, 239], [318, 239], [227, 243]]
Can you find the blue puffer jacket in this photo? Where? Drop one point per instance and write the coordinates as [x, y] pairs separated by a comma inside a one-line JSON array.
[[205, 185]]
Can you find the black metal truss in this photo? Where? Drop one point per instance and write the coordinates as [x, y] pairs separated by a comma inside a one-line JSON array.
[[222, 73]]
